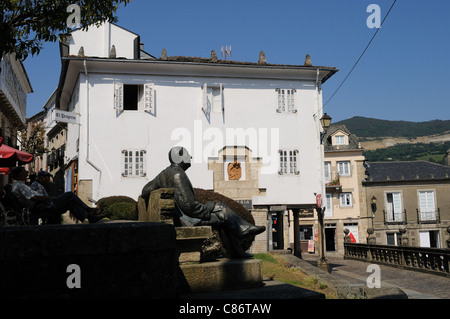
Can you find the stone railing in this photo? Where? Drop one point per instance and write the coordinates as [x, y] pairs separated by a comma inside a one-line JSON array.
[[432, 260]]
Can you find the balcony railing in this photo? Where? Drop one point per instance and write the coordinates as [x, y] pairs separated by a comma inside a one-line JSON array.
[[332, 181], [428, 216], [432, 260], [394, 217]]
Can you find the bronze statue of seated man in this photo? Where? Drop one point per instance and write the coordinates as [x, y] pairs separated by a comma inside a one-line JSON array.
[[192, 213]]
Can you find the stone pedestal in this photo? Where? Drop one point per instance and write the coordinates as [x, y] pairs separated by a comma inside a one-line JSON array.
[[223, 274], [189, 243], [109, 260]]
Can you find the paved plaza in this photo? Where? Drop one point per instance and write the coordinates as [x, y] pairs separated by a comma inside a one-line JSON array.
[[417, 285]]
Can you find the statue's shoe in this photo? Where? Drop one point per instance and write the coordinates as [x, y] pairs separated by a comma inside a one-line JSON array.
[[253, 231]]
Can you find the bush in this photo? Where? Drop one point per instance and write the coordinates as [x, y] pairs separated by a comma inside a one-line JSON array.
[[203, 196], [119, 207], [214, 245]]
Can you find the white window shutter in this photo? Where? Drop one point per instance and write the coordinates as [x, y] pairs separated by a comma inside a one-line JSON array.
[[118, 96], [292, 107], [296, 162], [205, 105], [143, 161], [222, 106], [280, 100], [149, 98]]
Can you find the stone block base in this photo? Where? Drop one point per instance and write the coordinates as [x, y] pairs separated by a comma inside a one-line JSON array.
[[223, 274], [189, 242], [112, 260]]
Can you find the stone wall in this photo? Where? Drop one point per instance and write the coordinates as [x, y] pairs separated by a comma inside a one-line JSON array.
[[114, 260], [261, 243]]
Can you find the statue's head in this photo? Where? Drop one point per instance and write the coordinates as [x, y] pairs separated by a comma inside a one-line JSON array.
[[180, 156]]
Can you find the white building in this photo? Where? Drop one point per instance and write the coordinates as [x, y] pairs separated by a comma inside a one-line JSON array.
[[132, 108]]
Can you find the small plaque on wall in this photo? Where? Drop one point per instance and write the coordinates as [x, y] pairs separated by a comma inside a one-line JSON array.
[[234, 171]]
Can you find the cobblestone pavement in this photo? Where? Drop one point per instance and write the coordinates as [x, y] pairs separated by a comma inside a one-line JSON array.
[[416, 285]]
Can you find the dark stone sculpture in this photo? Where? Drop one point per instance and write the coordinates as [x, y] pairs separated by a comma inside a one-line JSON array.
[[190, 212]]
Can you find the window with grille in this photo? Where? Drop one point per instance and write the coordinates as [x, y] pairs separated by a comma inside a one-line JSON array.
[[289, 162], [133, 163], [286, 101]]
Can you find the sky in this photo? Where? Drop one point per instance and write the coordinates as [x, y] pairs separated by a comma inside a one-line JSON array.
[[403, 74]]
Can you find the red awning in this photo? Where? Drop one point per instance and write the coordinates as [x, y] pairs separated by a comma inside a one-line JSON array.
[[10, 156], [4, 171]]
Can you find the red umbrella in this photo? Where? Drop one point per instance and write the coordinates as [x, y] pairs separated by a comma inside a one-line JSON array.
[[9, 156]]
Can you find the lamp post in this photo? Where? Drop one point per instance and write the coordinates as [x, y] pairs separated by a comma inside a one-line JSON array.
[[325, 121], [373, 205], [322, 263]]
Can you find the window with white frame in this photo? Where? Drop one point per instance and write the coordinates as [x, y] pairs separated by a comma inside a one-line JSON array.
[[345, 199], [289, 162], [286, 101], [394, 207], [212, 99], [327, 167], [339, 140], [427, 205], [328, 205], [132, 97], [344, 168], [133, 163]]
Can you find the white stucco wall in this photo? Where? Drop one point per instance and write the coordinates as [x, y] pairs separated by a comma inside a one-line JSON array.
[[100, 41], [250, 105]]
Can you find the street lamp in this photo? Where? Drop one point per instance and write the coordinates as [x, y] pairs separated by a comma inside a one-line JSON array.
[[325, 121], [373, 204], [322, 263]]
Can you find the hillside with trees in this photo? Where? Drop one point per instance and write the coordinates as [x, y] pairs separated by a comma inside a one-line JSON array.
[[432, 152], [365, 127], [428, 141]]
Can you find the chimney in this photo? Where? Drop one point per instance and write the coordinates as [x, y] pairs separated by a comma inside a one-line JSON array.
[[447, 158], [262, 58], [308, 60]]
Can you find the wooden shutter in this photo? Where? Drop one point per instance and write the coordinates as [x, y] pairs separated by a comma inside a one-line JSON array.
[[149, 98], [118, 96]]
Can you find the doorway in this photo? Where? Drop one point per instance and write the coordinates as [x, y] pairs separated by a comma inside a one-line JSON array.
[[429, 239], [330, 238]]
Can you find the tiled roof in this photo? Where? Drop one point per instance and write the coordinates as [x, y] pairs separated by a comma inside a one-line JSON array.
[[406, 171], [353, 142], [222, 61]]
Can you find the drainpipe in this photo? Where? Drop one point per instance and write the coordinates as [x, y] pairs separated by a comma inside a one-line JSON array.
[[87, 128]]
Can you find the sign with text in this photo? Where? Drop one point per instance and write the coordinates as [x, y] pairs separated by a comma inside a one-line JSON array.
[[306, 213], [247, 203], [65, 117]]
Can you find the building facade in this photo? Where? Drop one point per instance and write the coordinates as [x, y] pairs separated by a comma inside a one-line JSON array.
[[14, 88], [345, 198], [252, 129], [411, 196]]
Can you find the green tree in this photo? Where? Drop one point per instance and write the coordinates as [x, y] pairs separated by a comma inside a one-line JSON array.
[[26, 24]]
